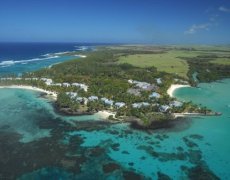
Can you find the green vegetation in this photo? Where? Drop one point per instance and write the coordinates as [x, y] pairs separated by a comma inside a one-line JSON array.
[[165, 62], [206, 70], [106, 73], [224, 61]]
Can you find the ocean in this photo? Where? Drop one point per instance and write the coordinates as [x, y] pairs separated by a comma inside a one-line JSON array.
[[18, 58], [38, 143]]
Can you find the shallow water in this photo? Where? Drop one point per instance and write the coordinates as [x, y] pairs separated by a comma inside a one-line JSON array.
[[23, 110], [84, 147], [215, 130]]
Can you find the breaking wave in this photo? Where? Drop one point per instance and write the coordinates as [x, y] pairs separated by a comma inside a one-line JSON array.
[[81, 48], [56, 54], [11, 62]]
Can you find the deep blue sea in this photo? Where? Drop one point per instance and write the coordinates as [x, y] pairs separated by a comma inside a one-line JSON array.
[[37, 143], [24, 57]]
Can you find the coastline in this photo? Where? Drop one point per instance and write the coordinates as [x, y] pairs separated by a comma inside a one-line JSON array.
[[102, 114], [105, 114], [50, 93], [173, 87]]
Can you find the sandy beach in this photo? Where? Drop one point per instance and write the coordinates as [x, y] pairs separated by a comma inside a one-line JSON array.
[[105, 114], [81, 56], [173, 87], [50, 93]]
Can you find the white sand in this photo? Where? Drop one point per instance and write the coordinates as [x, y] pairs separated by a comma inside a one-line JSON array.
[[52, 94], [105, 114], [81, 56], [187, 114], [173, 87]]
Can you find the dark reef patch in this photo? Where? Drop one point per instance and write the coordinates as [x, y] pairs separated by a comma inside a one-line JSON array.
[[125, 152], [62, 154], [4, 127], [162, 156], [28, 157], [131, 163], [196, 136], [110, 167], [129, 175], [189, 143], [162, 176], [180, 149], [195, 156], [115, 146], [175, 125], [96, 151], [114, 132], [200, 172], [49, 157]]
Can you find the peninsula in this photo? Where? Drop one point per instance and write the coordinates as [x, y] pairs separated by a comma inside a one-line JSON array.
[[127, 83]]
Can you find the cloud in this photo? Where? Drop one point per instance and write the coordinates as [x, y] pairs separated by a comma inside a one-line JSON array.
[[213, 21], [195, 28], [214, 18], [224, 9]]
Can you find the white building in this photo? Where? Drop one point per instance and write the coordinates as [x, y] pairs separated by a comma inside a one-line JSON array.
[[141, 104], [72, 95], [107, 101], [130, 81], [66, 84], [155, 95], [82, 100], [57, 84], [176, 104], [164, 108], [119, 104], [47, 81], [141, 85], [93, 98], [82, 86], [159, 81]]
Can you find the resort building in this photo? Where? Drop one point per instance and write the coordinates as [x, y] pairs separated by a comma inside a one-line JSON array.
[[93, 98], [66, 84], [82, 100], [47, 81], [82, 86], [164, 108], [72, 95], [135, 92], [155, 95], [176, 104], [159, 81], [107, 101], [119, 104], [141, 104], [57, 84]]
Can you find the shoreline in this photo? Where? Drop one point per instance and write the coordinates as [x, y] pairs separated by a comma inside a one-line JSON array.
[[49, 93], [102, 114], [105, 114], [174, 87]]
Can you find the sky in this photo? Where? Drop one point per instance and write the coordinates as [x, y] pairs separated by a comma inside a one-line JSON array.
[[116, 21]]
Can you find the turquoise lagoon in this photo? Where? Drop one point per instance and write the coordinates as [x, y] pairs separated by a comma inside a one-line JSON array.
[[84, 145]]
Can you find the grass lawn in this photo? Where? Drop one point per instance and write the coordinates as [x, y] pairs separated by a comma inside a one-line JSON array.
[[224, 61], [167, 62]]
